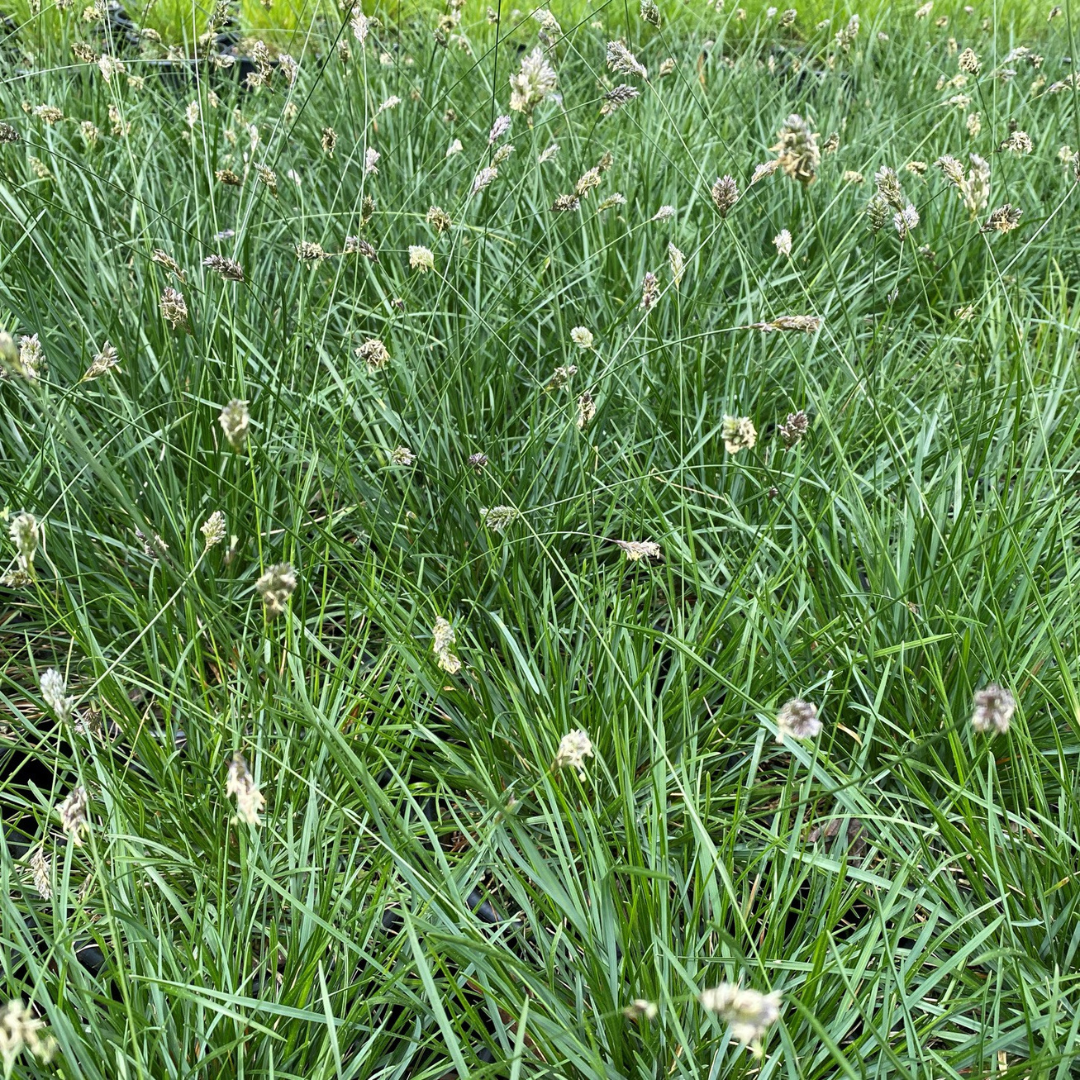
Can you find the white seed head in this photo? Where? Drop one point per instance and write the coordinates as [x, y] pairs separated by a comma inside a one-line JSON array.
[[993, 709], [574, 748], [749, 1012], [275, 587], [213, 529], [54, 693], [235, 421], [798, 719]]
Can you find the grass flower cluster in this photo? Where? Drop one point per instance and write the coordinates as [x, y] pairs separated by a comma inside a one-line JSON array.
[[539, 543]]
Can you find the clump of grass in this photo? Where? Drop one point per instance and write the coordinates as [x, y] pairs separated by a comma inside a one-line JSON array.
[[437, 471]]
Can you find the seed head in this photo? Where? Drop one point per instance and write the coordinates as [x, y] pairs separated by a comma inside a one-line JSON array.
[[968, 62], [249, 799], [993, 709], [235, 421], [49, 113], [21, 1030], [586, 410], [850, 176], [905, 220], [328, 140], [421, 259], [804, 324], [308, 251], [163, 258], [359, 23], [640, 1008], [747, 1011], [454, 148], [226, 268], [798, 719], [582, 337], [782, 240], [725, 194], [25, 536], [439, 219], [484, 177], [877, 210], [371, 161], [532, 83], [72, 813], [565, 203], [54, 693], [888, 187], [228, 178], [797, 150], [41, 867], [766, 168], [738, 433], [622, 60], [952, 169], [550, 30], [103, 361], [636, 550], [213, 529], [402, 456], [355, 245], [173, 307], [1004, 219], [499, 518], [677, 263], [1018, 142], [845, 37], [650, 291], [498, 129], [478, 461], [442, 645], [574, 748], [8, 134], [374, 353], [561, 376], [794, 428], [275, 587]]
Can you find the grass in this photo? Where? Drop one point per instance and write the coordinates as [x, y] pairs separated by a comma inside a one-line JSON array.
[[426, 897]]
